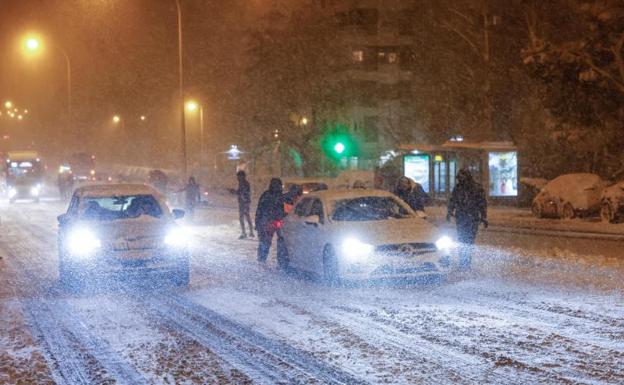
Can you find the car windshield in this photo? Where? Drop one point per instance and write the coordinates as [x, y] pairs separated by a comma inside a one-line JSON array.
[[120, 207], [369, 209]]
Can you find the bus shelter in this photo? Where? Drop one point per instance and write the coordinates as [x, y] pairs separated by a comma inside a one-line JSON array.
[[493, 164]]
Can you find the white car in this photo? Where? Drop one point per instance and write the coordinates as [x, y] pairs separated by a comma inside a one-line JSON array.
[[363, 235], [120, 230], [568, 196]]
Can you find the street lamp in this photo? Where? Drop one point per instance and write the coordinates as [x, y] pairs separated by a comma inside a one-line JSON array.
[[33, 45], [8, 104], [116, 119], [192, 106]]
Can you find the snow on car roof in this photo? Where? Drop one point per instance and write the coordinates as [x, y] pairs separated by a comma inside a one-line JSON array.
[[303, 180], [350, 194], [580, 180], [116, 189]]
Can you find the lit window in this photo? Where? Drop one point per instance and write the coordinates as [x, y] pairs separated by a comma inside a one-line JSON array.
[[358, 56], [392, 57]]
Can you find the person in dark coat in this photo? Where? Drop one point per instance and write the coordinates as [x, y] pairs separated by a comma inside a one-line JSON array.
[[269, 216], [411, 193], [469, 207], [192, 195], [244, 202]]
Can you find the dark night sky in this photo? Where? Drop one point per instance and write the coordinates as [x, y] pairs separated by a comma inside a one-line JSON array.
[[124, 61]]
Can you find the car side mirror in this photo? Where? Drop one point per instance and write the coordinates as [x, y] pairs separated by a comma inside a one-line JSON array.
[[62, 219], [312, 220], [177, 213]]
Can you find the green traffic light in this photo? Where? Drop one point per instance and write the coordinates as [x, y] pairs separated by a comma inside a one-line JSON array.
[[339, 148]]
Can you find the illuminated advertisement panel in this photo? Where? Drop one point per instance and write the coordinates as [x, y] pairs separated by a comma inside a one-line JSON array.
[[503, 170], [416, 167]]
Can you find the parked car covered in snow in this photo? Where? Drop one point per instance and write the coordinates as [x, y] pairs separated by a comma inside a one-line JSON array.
[[612, 203], [364, 234], [112, 230], [307, 185], [568, 196]]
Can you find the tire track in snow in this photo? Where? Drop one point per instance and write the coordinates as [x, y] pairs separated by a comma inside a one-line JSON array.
[[452, 363], [547, 318], [73, 353], [262, 359], [78, 356]]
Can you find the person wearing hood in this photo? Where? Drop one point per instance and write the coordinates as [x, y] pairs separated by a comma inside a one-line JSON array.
[[411, 193], [269, 216], [469, 207]]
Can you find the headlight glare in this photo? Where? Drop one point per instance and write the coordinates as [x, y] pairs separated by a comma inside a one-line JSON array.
[[82, 242], [177, 238], [445, 243], [12, 192], [354, 248], [34, 191]]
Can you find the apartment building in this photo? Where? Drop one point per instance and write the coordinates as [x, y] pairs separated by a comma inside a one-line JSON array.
[[378, 38]]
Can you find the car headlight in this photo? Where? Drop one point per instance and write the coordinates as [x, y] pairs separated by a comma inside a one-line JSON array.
[[34, 191], [354, 248], [445, 243], [177, 238], [82, 242], [12, 192]]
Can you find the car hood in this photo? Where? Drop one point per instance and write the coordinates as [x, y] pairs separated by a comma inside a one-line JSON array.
[[387, 232]]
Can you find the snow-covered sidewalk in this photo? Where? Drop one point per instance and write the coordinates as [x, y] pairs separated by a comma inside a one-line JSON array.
[[516, 219]]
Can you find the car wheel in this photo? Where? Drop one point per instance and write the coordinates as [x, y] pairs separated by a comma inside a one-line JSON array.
[[567, 212], [537, 210], [331, 273], [606, 213]]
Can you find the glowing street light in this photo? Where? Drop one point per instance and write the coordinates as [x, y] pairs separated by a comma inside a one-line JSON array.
[[116, 119], [8, 104], [20, 117], [32, 44], [192, 106], [304, 120], [143, 117]]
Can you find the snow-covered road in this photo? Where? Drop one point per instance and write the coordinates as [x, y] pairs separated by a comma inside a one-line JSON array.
[[532, 311]]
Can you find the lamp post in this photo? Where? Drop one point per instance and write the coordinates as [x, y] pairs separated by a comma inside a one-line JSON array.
[[181, 90], [192, 106], [33, 45]]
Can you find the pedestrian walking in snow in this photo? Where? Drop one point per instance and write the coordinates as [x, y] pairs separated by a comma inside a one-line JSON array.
[[243, 194], [469, 207], [411, 193], [269, 219]]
